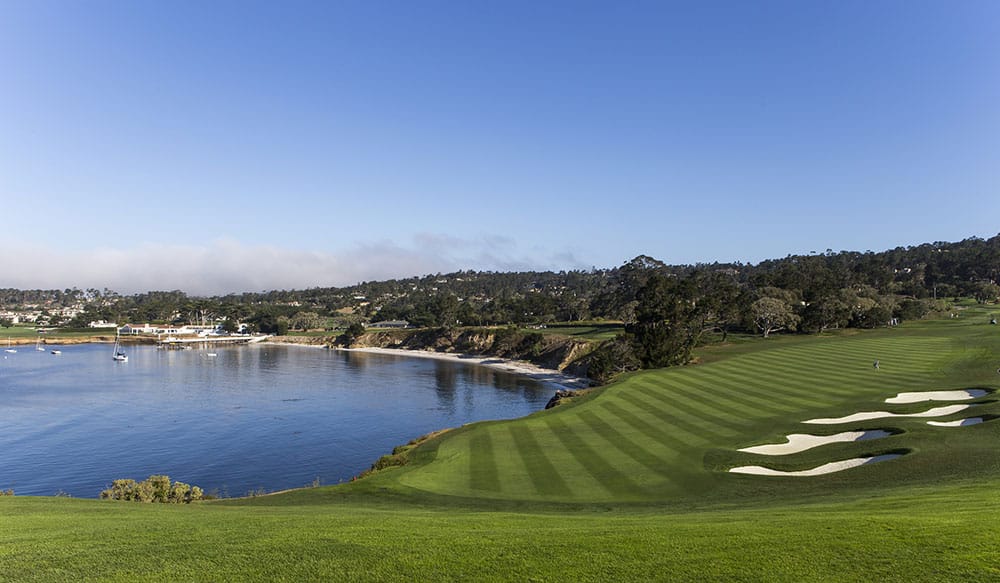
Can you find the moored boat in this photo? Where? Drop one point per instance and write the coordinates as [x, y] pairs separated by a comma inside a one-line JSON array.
[[119, 354]]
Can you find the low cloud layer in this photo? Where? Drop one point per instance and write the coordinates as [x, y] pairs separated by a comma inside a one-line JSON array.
[[223, 266]]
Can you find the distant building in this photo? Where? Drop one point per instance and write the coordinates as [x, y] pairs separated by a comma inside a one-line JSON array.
[[136, 329]]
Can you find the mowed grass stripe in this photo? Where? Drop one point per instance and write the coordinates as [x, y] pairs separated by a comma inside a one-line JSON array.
[[787, 378], [483, 474], [624, 444], [771, 400], [683, 432], [836, 381], [543, 475], [577, 478], [722, 415], [730, 398], [910, 370], [910, 363], [799, 368], [820, 399], [733, 406], [836, 360], [849, 352], [692, 431], [733, 384], [653, 432], [862, 349], [613, 481], [902, 348]]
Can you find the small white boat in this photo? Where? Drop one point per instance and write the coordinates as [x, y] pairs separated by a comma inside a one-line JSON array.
[[57, 352], [9, 349], [119, 354]]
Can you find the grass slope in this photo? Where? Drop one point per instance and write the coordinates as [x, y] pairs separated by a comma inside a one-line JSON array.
[[630, 483], [670, 435]]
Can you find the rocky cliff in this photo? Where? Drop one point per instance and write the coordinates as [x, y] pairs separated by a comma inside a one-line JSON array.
[[547, 351]]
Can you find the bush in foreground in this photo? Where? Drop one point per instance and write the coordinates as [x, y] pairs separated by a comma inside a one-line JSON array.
[[153, 489]]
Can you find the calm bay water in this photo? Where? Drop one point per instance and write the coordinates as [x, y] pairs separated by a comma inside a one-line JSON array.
[[252, 417]]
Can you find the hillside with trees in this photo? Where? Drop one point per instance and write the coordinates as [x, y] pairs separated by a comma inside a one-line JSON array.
[[666, 310]]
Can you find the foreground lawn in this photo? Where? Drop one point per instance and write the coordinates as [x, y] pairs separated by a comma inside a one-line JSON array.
[[930, 534], [630, 483]]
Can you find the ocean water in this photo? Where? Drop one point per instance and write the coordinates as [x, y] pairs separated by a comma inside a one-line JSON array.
[[251, 418]]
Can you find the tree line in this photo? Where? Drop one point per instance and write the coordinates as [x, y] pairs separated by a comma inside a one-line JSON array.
[[666, 309]]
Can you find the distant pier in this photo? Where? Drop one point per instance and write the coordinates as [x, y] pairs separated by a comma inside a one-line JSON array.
[[175, 342]]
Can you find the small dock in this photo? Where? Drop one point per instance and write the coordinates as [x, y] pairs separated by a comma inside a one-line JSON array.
[[175, 342]]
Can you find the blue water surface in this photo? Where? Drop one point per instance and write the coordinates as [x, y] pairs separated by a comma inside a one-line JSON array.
[[250, 418]]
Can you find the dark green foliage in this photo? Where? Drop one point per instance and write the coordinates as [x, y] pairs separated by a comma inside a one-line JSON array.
[[270, 324], [531, 344], [612, 358], [388, 461], [355, 330], [667, 322], [911, 309], [155, 488]]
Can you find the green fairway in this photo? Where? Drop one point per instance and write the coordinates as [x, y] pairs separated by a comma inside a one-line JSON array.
[[596, 331], [672, 434], [629, 483]]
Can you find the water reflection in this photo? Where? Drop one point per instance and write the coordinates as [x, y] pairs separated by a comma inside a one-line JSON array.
[[267, 417], [446, 381]]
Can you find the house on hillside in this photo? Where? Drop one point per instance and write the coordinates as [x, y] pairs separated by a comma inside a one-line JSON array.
[[136, 329]]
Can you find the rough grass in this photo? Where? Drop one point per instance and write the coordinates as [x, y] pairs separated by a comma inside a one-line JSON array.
[[628, 483]]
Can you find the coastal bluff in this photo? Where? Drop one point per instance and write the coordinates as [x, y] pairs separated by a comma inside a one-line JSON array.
[[557, 353]]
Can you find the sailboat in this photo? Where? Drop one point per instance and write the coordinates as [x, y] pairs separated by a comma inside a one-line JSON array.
[[119, 354], [9, 349], [38, 345]]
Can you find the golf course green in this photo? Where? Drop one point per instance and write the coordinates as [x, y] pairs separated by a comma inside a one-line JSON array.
[[630, 482]]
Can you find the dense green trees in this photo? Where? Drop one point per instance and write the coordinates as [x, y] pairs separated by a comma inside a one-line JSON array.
[[667, 309], [153, 489]]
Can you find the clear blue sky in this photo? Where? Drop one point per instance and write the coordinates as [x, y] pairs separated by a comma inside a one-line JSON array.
[[229, 146]]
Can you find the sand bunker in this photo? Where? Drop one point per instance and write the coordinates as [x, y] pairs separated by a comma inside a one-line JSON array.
[[936, 396], [801, 442], [819, 470], [957, 423], [935, 412]]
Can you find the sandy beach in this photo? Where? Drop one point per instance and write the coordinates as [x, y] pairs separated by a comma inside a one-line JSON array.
[[551, 377]]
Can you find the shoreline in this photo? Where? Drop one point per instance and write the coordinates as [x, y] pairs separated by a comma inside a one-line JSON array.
[[555, 378]]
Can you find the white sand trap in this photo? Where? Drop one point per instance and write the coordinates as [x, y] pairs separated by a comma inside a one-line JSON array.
[[936, 396], [935, 412], [817, 471], [957, 423], [801, 442]]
